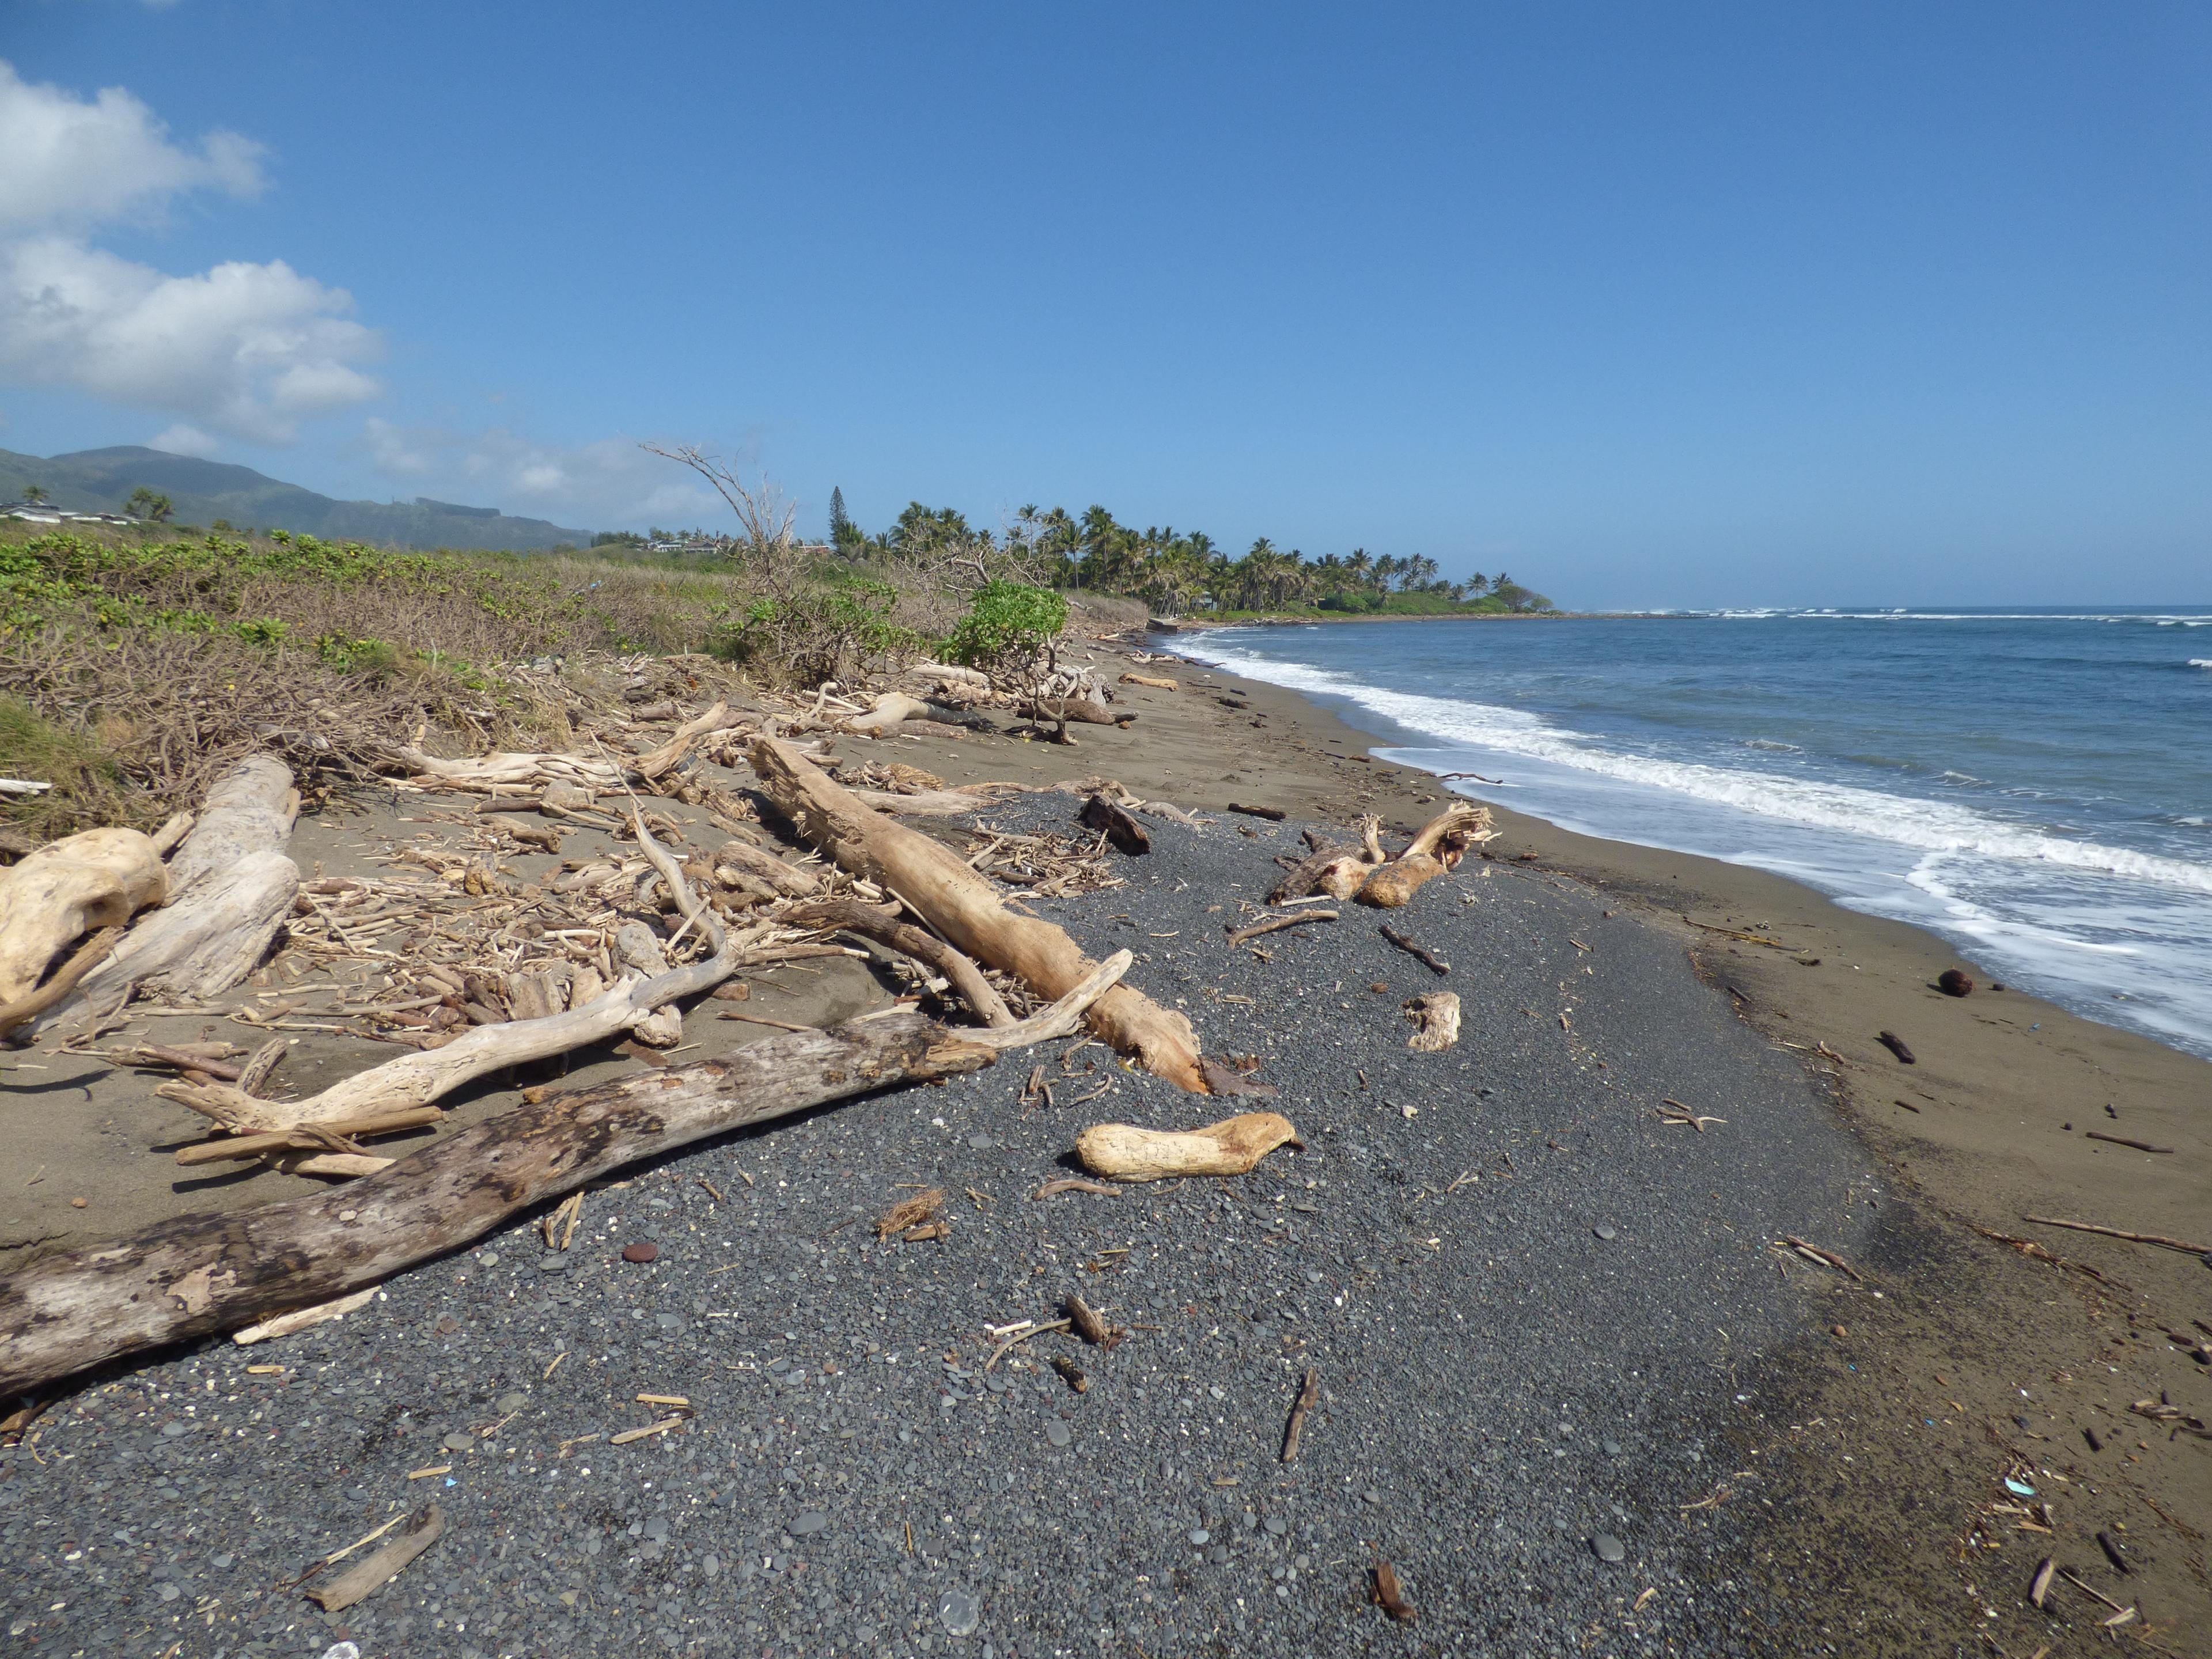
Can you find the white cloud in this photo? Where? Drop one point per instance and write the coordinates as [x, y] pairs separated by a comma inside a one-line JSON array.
[[183, 440], [249, 349], [75, 163], [606, 483]]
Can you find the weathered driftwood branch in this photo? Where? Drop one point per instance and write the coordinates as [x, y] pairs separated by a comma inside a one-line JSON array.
[[70, 888], [967, 911], [198, 1273], [231, 885], [1152, 680], [1276, 924], [1230, 1147], [931, 802], [425, 1528], [656, 763], [851, 917]]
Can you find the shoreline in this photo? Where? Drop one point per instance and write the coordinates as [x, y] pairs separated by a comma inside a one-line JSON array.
[[1855, 1455], [1993, 1124]]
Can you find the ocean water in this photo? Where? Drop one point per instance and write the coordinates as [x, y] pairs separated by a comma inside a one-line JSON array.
[[2036, 787]]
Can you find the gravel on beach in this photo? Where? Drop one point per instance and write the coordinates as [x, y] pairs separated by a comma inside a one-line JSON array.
[[1538, 1312]]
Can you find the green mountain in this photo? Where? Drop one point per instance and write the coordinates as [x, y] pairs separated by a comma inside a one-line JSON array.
[[101, 480]]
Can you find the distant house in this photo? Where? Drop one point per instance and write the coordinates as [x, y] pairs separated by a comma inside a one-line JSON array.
[[46, 513]]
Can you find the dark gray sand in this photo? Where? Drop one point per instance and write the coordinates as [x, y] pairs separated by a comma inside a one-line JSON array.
[[1540, 1314]]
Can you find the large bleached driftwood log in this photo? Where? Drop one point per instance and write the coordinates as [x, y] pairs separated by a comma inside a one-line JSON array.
[[70, 888], [200, 1274], [966, 909], [231, 885]]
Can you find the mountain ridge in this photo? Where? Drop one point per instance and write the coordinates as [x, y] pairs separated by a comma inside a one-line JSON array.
[[200, 491]]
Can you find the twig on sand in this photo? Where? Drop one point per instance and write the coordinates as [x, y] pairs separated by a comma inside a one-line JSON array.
[[1435, 963], [1680, 1114], [2159, 1239], [1308, 1397], [1276, 924], [1076, 1184], [999, 1352], [1825, 1258]]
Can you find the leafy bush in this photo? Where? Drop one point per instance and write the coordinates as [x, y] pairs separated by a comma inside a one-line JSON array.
[[813, 632], [1009, 627]]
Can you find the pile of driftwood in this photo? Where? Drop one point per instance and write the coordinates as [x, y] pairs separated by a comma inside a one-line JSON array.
[[226, 895]]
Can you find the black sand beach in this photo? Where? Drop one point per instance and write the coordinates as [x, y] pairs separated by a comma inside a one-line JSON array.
[[1549, 1325]]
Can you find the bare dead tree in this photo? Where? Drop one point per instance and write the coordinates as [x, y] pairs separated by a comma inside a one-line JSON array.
[[764, 513]]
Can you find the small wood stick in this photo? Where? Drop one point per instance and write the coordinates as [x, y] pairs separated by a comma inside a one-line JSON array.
[[1088, 1325], [1074, 1184], [1276, 924], [1308, 1397], [1436, 965], [1389, 1596], [2159, 1239]]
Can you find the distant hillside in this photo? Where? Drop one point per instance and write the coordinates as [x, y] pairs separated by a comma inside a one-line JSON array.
[[101, 480]]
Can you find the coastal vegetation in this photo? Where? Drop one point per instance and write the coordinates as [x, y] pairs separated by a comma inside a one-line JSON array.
[[135, 660]]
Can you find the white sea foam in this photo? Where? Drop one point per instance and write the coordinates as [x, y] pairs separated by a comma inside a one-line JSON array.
[[1926, 825], [2200, 662]]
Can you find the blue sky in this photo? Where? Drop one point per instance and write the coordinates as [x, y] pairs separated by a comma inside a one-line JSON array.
[[1698, 304]]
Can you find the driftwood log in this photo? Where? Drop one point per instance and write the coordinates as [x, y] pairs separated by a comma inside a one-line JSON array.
[[1126, 834], [201, 1274], [231, 885], [1338, 872], [1438, 848], [70, 888], [966, 910], [1230, 1147]]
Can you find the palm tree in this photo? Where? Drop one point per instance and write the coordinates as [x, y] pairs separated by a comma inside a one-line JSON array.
[[34, 493]]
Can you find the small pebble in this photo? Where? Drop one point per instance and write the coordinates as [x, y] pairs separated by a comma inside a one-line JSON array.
[[959, 1612], [490, 1257], [643, 1251], [1610, 1448], [812, 1522], [507, 1404], [552, 1264], [459, 1440], [78, 1204], [1605, 1230], [1609, 1548], [1057, 1432], [981, 1143], [1200, 1535], [1277, 1525]]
